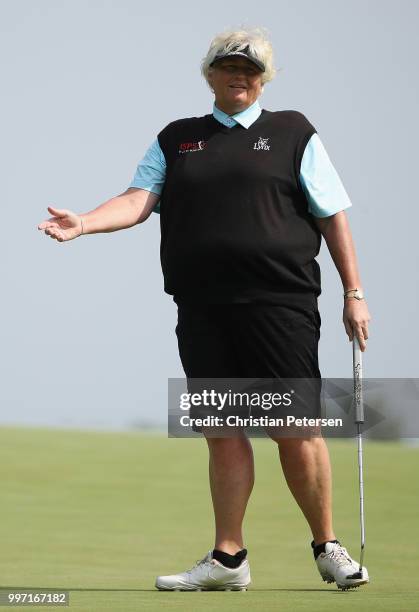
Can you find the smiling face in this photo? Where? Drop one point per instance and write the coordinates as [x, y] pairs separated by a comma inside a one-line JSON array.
[[237, 83]]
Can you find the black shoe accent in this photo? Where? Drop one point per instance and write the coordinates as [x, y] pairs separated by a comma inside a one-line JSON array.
[[321, 548], [227, 560], [356, 576]]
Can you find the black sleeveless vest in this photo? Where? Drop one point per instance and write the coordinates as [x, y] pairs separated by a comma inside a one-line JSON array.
[[234, 219]]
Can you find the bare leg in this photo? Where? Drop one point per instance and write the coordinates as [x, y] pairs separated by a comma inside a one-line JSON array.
[[306, 466], [231, 472]]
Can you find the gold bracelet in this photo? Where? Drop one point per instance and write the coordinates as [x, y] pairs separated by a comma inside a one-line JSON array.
[[357, 294], [349, 291]]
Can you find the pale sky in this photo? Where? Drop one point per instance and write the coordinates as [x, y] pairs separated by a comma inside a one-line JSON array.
[[88, 334]]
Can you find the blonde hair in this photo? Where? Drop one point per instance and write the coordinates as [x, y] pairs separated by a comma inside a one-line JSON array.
[[255, 38]]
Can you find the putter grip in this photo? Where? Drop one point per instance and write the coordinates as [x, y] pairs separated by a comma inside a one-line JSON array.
[[357, 369]]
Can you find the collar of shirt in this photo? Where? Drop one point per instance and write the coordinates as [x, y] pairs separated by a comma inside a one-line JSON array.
[[245, 118]]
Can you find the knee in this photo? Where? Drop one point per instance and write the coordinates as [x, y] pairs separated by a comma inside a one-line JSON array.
[[291, 446], [228, 446]]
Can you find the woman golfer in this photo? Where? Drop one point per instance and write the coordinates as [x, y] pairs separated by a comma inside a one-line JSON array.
[[245, 196]]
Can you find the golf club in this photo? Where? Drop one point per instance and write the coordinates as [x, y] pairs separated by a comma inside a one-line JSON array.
[[359, 420]]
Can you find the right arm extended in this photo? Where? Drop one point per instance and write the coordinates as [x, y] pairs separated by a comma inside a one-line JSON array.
[[125, 210]]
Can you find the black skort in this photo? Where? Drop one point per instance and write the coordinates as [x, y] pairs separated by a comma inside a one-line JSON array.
[[248, 340]]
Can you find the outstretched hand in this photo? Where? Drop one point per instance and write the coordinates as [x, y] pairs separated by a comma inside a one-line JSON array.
[[64, 225], [355, 319]]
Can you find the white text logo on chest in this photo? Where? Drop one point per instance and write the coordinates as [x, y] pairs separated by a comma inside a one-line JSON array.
[[262, 144]]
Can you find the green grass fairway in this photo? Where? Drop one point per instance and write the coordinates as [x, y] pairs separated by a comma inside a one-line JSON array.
[[101, 514]]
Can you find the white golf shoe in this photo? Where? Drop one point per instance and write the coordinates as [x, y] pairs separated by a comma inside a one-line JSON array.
[[335, 565], [208, 574]]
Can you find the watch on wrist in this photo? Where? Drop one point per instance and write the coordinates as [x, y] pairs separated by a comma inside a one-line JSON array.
[[354, 293]]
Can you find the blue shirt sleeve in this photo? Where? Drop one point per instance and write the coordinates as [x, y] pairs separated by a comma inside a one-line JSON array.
[[151, 172], [321, 183]]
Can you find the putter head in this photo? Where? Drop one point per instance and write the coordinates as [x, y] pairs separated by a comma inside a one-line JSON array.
[[356, 576]]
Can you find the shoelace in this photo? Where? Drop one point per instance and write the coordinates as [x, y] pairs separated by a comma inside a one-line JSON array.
[[199, 562], [340, 555]]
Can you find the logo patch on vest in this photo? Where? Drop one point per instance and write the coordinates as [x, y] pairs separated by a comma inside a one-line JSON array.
[[262, 144], [190, 147]]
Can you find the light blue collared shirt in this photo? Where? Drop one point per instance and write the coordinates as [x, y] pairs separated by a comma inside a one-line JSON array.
[[245, 118], [324, 190]]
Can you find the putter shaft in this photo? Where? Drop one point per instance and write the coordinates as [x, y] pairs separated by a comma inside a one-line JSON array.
[[359, 420]]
